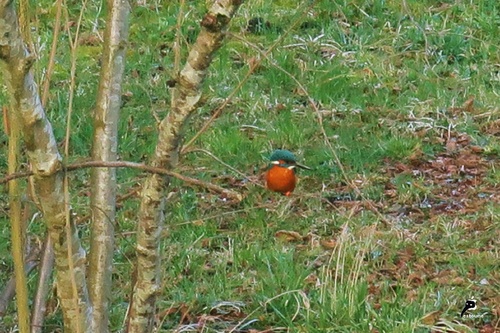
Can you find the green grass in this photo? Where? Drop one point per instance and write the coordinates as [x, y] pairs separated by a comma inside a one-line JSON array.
[[390, 81]]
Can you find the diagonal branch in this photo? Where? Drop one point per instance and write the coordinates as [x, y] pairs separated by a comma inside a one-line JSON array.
[[185, 98]]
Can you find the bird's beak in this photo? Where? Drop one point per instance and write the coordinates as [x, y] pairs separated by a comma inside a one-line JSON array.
[[302, 166]]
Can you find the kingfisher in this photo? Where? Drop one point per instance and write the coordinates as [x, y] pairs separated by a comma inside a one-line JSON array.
[[280, 175]]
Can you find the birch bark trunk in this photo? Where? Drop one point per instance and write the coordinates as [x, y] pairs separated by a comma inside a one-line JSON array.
[[104, 148], [185, 98], [46, 163]]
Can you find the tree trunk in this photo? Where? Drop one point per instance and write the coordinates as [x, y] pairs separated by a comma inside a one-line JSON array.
[[105, 145], [185, 98], [48, 179]]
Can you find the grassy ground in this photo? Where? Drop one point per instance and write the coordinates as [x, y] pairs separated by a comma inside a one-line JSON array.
[[396, 226]]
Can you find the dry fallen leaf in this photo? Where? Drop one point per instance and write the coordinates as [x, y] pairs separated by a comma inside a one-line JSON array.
[[457, 281], [416, 279], [181, 308], [367, 71], [289, 236], [492, 127], [469, 105], [431, 318], [451, 146], [312, 279], [328, 244], [488, 328]]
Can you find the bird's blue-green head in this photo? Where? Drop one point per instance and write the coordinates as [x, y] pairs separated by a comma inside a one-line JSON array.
[[285, 158], [283, 155]]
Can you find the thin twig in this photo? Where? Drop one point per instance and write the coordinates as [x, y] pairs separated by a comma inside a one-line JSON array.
[[9, 291], [204, 151], [52, 56], [133, 192], [126, 164], [213, 217], [44, 274], [263, 305]]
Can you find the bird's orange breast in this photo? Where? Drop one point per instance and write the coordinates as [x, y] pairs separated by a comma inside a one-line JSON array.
[[281, 179]]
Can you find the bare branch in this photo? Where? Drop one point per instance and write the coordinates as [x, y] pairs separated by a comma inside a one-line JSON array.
[[9, 290], [44, 273], [146, 168]]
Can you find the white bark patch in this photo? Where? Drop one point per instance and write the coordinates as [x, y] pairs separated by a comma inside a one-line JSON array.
[[51, 144], [218, 8], [192, 75], [192, 100], [49, 167], [32, 111]]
